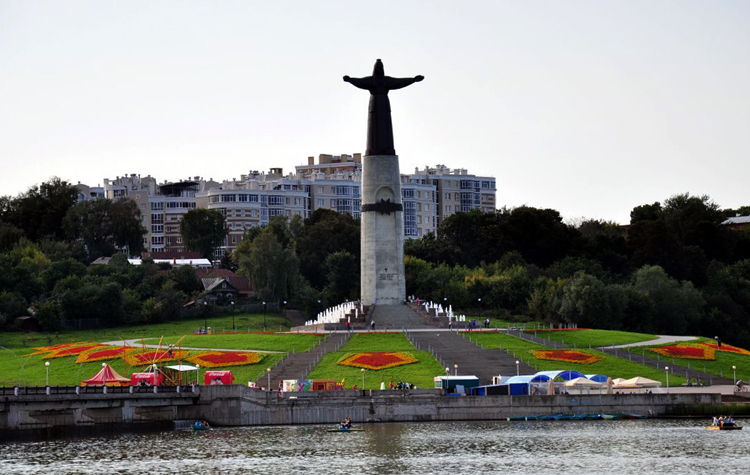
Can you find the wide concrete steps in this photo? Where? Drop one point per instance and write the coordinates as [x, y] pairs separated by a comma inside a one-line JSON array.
[[450, 348], [299, 365], [390, 317]]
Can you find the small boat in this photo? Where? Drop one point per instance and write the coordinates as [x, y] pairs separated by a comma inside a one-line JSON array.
[[199, 427], [342, 429], [726, 427]]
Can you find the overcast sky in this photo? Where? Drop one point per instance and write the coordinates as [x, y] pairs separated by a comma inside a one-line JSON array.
[[587, 107]]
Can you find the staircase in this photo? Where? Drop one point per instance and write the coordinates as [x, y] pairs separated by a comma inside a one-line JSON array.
[[299, 365], [396, 317], [450, 348]]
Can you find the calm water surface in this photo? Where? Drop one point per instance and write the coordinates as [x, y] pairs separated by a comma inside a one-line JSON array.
[[565, 447]]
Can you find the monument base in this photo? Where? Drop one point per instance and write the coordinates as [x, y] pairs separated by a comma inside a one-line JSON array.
[[382, 232]]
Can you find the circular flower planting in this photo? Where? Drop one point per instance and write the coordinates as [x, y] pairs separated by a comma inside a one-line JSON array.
[[71, 351], [148, 357], [219, 359], [568, 356], [98, 354], [691, 352], [377, 361]]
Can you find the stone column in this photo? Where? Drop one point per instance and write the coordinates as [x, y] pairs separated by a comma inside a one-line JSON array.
[[382, 232]]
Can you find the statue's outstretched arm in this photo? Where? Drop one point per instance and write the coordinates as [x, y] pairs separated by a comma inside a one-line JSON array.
[[398, 83], [362, 83]]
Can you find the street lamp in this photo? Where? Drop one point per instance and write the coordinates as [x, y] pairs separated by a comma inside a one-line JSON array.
[[233, 327], [518, 368], [205, 316], [46, 364], [268, 373], [666, 370], [734, 374], [363, 379], [455, 370], [197, 374], [264, 316]]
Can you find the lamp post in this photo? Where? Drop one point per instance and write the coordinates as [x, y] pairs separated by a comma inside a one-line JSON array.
[[197, 374], [455, 370], [46, 365], [264, 316], [205, 316], [518, 368], [268, 374], [666, 370], [233, 327], [734, 374], [363, 379]]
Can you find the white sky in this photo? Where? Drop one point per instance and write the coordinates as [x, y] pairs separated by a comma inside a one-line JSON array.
[[587, 107]]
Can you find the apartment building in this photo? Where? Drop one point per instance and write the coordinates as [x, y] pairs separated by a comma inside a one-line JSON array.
[[252, 201], [429, 196]]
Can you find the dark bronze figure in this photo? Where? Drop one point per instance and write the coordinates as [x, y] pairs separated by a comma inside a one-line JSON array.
[[379, 126]]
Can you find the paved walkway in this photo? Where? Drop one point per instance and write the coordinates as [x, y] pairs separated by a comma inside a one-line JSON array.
[[661, 340], [136, 344]]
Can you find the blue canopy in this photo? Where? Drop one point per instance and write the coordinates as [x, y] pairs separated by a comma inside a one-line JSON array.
[[599, 378], [565, 375], [518, 379]]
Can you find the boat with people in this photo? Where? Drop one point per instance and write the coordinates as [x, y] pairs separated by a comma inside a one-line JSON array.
[[346, 426], [200, 426], [723, 423]]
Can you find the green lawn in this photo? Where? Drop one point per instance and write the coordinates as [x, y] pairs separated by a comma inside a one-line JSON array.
[[420, 374], [584, 338], [611, 366], [16, 369], [722, 366], [246, 341], [173, 328]]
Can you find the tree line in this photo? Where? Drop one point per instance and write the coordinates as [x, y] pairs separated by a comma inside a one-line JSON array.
[[673, 268]]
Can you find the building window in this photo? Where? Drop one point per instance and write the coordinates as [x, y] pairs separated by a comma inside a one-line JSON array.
[[242, 197], [228, 198], [156, 206]]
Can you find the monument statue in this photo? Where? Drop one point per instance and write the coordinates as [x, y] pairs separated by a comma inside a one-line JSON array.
[[379, 126]]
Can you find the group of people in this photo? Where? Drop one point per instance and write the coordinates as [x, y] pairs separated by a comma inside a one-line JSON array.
[[204, 331], [202, 425], [399, 385], [722, 421]]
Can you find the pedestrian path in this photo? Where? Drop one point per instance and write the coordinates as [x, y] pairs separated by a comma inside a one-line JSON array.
[[661, 340], [135, 343]]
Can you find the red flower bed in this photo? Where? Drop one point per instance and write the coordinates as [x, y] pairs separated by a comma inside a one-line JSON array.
[[377, 360], [148, 357], [49, 349], [727, 348], [568, 356], [97, 354], [218, 359], [692, 352], [71, 351]]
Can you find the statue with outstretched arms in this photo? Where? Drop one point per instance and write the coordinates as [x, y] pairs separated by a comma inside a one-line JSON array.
[[379, 125]]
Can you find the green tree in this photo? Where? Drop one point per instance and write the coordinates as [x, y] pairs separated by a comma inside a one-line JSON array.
[[325, 232], [105, 225], [203, 230], [271, 268], [675, 307], [342, 272], [40, 211]]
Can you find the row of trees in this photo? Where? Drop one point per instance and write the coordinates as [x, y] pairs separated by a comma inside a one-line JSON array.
[[674, 268]]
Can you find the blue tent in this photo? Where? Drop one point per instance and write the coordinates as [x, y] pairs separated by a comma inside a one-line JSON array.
[[599, 378]]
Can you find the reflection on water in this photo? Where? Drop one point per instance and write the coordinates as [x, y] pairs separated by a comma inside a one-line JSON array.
[[583, 447]]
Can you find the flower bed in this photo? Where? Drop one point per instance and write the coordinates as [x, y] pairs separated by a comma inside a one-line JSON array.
[[72, 350], [568, 356], [148, 357], [99, 354], [692, 352], [727, 348], [377, 360], [219, 359], [40, 350]]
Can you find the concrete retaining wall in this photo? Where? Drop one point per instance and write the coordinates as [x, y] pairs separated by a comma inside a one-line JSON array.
[[241, 406]]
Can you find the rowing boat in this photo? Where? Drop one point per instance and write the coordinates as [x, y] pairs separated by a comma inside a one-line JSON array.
[[732, 427], [345, 430]]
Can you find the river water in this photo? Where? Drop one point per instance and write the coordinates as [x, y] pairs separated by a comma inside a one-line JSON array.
[[640, 447]]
